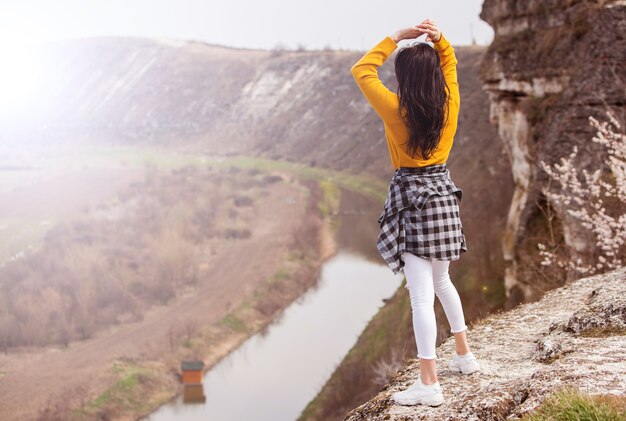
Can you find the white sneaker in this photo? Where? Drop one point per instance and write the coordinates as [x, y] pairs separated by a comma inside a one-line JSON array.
[[418, 393], [465, 363]]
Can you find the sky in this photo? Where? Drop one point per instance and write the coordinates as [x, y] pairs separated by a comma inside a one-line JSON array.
[[338, 24]]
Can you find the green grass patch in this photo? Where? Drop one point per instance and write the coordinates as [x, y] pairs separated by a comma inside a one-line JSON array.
[[121, 394], [603, 332], [233, 322], [280, 275], [366, 185], [571, 404], [335, 224], [120, 388], [331, 196], [142, 156], [293, 255]]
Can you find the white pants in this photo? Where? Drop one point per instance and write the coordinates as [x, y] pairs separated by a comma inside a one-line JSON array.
[[424, 279]]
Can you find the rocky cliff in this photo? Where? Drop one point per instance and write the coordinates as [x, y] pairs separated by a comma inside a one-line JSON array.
[[551, 65], [574, 336]]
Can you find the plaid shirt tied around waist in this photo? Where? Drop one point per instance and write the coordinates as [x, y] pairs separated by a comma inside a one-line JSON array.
[[429, 226]]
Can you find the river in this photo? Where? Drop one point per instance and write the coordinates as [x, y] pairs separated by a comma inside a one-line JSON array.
[[275, 373]]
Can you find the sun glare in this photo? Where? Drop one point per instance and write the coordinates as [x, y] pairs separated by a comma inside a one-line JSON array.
[[19, 73]]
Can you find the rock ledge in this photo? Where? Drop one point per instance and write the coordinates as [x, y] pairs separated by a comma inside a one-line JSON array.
[[575, 335]]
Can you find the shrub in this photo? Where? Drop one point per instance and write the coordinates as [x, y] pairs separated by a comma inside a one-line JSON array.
[[587, 200]]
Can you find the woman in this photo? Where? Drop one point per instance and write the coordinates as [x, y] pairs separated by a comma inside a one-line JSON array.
[[421, 230]]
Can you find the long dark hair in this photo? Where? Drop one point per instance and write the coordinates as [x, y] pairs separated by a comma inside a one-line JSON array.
[[423, 94]]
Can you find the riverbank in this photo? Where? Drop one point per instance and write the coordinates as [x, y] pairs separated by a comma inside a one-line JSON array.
[[574, 336], [273, 297]]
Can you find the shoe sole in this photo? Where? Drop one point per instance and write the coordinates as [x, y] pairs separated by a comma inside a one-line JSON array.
[[430, 402], [459, 370]]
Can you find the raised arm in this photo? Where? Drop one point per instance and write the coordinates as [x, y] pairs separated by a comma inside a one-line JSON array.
[[448, 63], [381, 98], [365, 73]]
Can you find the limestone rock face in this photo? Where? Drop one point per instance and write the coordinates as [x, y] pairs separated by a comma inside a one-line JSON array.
[[552, 64], [574, 336]]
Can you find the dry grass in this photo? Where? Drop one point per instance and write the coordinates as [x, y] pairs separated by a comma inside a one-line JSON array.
[[571, 404], [112, 264]]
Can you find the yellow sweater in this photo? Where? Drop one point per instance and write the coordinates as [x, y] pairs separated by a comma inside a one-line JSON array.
[[385, 102]]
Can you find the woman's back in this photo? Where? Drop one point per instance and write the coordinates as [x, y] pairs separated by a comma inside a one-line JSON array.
[[386, 103], [421, 231]]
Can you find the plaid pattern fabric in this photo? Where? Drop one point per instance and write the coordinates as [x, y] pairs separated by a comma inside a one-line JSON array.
[[421, 215]]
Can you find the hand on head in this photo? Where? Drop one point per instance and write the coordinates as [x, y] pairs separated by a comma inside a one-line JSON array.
[[428, 27]]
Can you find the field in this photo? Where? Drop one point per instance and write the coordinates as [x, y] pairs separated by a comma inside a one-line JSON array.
[[148, 258]]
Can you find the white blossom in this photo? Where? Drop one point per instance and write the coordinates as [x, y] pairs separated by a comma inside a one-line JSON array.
[[584, 199]]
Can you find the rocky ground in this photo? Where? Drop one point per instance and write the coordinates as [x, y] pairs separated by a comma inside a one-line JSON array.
[[574, 335]]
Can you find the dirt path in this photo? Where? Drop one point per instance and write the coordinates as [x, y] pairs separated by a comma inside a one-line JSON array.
[[28, 380]]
